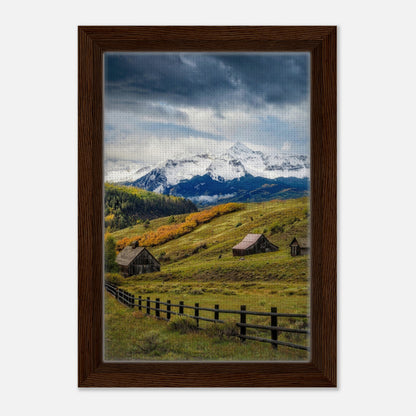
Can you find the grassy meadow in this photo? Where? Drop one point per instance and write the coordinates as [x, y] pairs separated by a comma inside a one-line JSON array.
[[198, 267]]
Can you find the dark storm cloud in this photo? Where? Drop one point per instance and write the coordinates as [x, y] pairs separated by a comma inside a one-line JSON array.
[[127, 104], [155, 83], [277, 79], [195, 102]]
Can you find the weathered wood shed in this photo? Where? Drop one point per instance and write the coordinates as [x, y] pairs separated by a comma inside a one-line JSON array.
[[299, 247], [136, 260], [253, 244]]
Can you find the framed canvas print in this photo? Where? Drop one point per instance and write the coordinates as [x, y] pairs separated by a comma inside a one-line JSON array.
[[207, 206]]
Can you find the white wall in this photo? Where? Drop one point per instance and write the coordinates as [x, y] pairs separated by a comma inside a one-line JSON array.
[[38, 133]]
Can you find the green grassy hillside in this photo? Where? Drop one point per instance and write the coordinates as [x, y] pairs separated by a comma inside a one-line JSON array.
[[205, 253], [199, 267], [131, 335]]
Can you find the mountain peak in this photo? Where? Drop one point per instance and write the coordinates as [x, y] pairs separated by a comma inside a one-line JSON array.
[[240, 147]]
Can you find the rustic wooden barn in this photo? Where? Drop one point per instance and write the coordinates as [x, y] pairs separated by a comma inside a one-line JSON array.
[[253, 244], [136, 260], [299, 247]]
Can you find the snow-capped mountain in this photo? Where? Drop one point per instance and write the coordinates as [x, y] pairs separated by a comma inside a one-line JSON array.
[[118, 171], [239, 160], [224, 176]]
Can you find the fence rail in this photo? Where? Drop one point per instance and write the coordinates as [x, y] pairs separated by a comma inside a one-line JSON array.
[[146, 305]]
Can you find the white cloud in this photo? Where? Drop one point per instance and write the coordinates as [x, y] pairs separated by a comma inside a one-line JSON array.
[[154, 137], [151, 149], [206, 199]]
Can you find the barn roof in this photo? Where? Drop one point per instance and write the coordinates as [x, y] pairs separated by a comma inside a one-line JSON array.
[[247, 242], [303, 242], [128, 254]]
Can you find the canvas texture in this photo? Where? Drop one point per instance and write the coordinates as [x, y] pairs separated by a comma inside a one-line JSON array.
[[207, 206]]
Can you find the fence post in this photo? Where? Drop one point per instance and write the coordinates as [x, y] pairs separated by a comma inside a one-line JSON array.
[[181, 307], [197, 314], [140, 303], [273, 322], [216, 313], [242, 321], [157, 307], [148, 306], [168, 310], [132, 301], [117, 293]]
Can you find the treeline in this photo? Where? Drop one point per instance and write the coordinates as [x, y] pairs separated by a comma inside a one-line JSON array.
[[127, 205], [169, 232]]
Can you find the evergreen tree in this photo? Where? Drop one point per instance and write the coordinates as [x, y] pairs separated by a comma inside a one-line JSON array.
[[110, 254], [125, 205]]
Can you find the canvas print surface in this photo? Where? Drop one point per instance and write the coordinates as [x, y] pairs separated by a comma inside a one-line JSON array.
[[207, 213]]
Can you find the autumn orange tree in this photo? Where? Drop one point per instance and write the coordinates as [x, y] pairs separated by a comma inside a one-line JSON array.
[[169, 232]]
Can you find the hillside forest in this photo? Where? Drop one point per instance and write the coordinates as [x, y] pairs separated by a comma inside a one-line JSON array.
[[126, 205]]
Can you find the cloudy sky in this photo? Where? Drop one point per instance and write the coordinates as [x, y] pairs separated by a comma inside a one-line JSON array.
[[158, 105]]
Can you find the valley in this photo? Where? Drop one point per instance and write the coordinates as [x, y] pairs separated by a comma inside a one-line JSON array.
[[199, 267]]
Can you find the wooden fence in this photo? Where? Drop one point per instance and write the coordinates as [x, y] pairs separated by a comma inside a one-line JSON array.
[[165, 310]]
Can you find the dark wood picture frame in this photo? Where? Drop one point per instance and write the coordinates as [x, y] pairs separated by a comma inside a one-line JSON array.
[[320, 41]]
